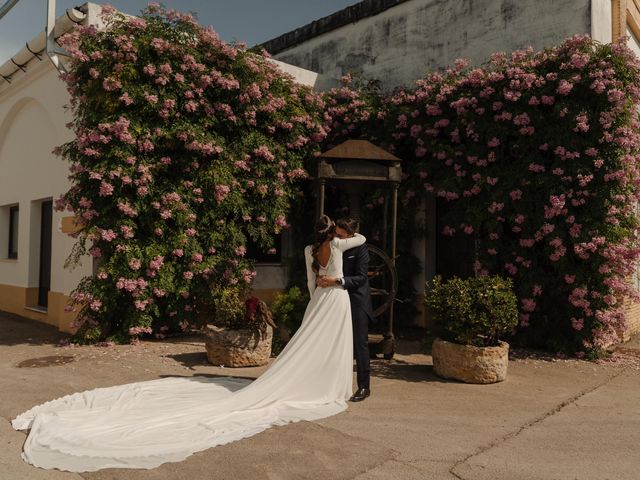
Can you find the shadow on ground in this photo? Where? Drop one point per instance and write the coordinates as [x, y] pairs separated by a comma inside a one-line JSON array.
[[205, 377], [191, 359], [17, 330], [405, 371]]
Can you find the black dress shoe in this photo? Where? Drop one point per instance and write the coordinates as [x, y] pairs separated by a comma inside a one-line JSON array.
[[360, 395]]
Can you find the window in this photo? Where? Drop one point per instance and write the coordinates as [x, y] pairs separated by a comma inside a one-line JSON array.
[[13, 232]]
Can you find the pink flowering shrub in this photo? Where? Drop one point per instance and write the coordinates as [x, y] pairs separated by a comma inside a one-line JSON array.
[[184, 148], [355, 109], [536, 156]]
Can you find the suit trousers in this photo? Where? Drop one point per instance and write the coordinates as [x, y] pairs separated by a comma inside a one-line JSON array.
[[361, 345]]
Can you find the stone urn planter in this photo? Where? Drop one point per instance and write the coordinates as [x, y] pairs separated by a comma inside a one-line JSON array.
[[238, 348], [468, 363], [474, 313]]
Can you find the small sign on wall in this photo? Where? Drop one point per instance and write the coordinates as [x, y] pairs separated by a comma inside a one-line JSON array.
[[68, 225]]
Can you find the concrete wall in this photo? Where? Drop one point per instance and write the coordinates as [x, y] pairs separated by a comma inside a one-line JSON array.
[[400, 44]]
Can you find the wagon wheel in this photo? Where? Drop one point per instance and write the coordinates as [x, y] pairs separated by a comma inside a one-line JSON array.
[[383, 279]]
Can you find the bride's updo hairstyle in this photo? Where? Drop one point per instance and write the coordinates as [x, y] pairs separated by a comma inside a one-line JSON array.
[[325, 230]]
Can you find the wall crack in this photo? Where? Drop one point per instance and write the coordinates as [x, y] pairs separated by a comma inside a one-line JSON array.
[[559, 407]]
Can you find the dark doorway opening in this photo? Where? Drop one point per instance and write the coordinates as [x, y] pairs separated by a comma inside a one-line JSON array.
[[44, 282], [455, 254]]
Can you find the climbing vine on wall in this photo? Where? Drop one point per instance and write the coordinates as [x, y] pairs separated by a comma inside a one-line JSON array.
[[537, 156]]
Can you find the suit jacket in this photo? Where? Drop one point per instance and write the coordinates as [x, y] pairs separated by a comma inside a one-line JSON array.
[[355, 266]]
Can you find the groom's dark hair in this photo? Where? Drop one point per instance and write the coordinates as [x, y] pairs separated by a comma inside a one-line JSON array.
[[350, 224]]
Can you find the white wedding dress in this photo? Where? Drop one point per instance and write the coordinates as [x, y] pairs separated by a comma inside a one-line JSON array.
[[145, 424]]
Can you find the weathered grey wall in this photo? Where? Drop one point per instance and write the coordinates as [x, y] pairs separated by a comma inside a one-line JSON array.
[[401, 44]]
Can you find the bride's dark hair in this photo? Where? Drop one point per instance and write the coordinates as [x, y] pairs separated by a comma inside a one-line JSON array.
[[325, 230]]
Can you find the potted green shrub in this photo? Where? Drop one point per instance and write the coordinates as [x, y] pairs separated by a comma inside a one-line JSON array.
[[242, 333], [471, 316]]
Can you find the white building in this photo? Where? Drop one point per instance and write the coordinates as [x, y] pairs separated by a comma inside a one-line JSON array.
[[34, 240], [33, 247]]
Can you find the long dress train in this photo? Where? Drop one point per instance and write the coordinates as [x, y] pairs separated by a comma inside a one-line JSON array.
[[145, 424]]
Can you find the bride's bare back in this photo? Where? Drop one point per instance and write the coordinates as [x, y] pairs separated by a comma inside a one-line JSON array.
[[329, 258], [324, 253]]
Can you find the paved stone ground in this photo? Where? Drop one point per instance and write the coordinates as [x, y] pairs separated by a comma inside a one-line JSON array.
[[551, 419]]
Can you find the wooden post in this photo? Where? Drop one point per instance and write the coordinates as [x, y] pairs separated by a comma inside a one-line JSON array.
[[321, 197], [394, 226], [385, 221]]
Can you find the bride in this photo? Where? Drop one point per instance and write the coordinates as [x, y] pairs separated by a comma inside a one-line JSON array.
[[145, 424]]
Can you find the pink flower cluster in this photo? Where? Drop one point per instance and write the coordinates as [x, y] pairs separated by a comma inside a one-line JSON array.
[[139, 330]]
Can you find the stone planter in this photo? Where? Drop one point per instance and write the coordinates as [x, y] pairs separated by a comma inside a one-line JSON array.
[[237, 348], [468, 363]]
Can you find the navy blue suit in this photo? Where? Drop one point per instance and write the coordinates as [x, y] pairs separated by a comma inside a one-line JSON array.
[[355, 266]]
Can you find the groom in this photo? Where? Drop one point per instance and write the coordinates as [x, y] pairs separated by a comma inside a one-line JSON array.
[[356, 281]]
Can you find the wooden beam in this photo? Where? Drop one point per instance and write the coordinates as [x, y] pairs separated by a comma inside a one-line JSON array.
[[618, 18], [633, 16]]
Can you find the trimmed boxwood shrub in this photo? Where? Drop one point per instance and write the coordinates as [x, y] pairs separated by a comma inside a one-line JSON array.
[[475, 311]]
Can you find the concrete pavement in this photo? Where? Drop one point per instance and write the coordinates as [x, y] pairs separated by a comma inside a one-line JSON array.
[[551, 419]]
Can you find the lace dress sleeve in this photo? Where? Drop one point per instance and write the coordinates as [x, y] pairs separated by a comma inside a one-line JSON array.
[[311, 275], [344, 244]]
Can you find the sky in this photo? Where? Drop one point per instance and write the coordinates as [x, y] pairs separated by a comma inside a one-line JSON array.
[[250, 21]]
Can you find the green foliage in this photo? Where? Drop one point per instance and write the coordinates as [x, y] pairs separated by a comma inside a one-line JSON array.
[[89, 334], [186, 147], [235, 313], [536, 156], [228, 309], [288, 310], [473, 311]]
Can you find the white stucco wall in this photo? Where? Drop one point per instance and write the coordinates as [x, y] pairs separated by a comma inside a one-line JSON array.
[[303, 76], [400, 44], [601, 20], [32, 123]]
